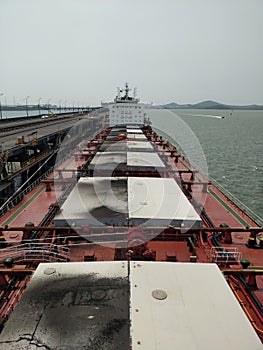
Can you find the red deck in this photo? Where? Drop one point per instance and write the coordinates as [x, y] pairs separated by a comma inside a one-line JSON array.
[[217, 206]]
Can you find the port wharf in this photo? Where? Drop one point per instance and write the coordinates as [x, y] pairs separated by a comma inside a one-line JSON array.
[[29, 145]]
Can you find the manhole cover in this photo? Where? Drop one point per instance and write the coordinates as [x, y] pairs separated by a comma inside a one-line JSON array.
[[49, 271], [159, 294], [98, 294]]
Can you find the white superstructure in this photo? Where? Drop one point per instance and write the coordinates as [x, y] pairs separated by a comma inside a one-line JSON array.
[[126, 109]]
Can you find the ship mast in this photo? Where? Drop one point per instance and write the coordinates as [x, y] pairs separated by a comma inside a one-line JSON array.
[[126, 91]]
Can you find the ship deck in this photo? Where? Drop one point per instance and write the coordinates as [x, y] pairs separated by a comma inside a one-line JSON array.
[[218, 207], [213, 206]]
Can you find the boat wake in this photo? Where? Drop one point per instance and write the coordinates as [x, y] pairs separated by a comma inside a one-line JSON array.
[[206, 115]]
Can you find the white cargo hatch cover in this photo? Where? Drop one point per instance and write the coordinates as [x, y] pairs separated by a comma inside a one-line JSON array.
[[134, 130], [196, 310], [136, 136], [139, 145], [144, 306], [132, 201], [144, 159], [159, 198]]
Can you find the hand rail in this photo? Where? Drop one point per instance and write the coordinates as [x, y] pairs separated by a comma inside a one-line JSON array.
[[11, 203], [36, 251], [249, 212], [255, 217]]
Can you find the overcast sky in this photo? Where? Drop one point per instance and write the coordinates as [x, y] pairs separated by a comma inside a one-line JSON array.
[[79, 51]]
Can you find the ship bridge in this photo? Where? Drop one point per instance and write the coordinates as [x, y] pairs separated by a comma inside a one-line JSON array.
[[126, 109]]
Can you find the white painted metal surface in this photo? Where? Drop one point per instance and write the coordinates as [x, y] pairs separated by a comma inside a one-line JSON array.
[[140, 159], [126, 113], [159, 198], [114, 269], [93, 200], [199, 313], [108, 158], [146, 306], [100, 201], [144, 159], [72, 306], [134, 130], [136, 136], [139, 144]]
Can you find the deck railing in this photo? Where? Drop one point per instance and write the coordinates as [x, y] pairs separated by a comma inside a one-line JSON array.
[[249, 212], [36, 252], [226, 255], [8, 205], [258, 220], [13, 201], [27, 164]]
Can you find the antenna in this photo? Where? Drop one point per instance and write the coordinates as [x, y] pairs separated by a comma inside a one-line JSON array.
[[134, 92], [127, 90]]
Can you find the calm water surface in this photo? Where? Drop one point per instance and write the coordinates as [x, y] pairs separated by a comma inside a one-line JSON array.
[[16, 114], [231, 147]]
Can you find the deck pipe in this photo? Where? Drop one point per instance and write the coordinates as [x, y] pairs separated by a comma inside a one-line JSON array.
[[254, 307]]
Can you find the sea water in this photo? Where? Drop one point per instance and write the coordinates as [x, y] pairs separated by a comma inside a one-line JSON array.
[[229, 142], [19, 113]]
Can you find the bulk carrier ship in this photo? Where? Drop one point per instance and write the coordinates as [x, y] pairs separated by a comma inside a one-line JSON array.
[[125, 245]]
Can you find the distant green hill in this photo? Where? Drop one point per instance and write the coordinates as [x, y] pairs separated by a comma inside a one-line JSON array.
[[209, 105]]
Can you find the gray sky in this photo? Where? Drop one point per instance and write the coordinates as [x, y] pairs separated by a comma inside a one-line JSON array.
[[184, 51]]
